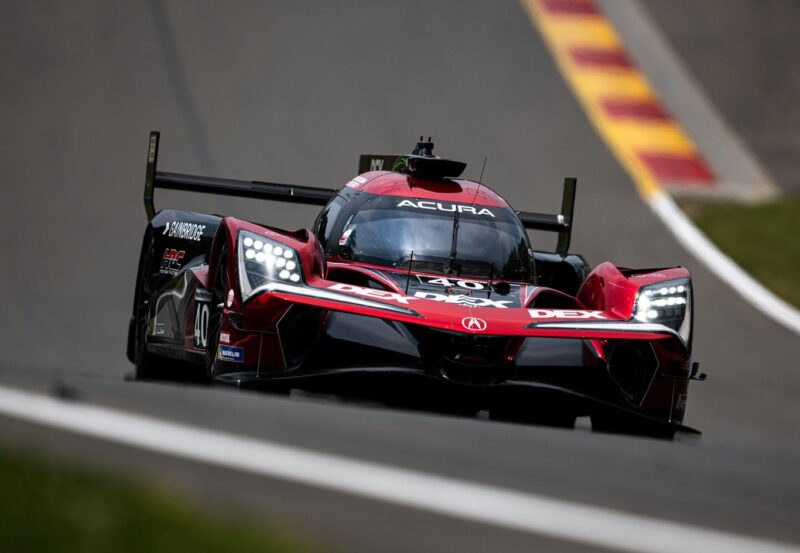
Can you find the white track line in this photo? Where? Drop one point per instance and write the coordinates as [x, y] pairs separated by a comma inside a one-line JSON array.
[[721, 265], [526, 512]]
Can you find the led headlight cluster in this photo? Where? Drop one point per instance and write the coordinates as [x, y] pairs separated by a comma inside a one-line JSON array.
[[262, 260], [668, 303]]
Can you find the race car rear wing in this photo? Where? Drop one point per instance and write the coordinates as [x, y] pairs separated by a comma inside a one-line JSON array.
[[228, 187], [561, 223]]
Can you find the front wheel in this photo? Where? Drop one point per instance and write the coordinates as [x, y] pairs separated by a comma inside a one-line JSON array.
[[555, 418]]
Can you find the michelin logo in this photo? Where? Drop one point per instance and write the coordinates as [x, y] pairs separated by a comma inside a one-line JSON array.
[[230, 353], [202, 295]]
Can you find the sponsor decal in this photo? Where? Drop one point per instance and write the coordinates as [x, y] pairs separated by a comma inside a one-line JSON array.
[[473, 323], [333, 296], [371, 293], [171, 261], [345, 236], [159, 329], [445, 206], [450, 283], [469, 301], [230, 353], [151, 151], [357, 181], [224, 337], [202, 295], [680, 405], [231, 296], [183, 230], [565, 314], [375, 164], [201, 314]]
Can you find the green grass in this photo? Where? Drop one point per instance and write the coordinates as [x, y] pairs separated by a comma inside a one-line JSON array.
[[47, 506], [763, 239]]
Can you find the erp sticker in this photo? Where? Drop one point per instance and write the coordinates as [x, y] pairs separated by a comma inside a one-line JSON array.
[[230, 353]]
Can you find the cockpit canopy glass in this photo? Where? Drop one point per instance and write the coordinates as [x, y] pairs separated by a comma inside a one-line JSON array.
[[438, 237]]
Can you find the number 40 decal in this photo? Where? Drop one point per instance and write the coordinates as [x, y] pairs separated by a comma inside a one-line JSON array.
[[201, 325], [468, 284]]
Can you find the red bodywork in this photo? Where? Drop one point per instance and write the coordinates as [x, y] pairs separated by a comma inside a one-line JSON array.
[[297, 306], [606, 296]]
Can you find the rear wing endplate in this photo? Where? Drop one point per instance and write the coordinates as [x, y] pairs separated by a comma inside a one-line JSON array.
[[227, 187], [561, 223]]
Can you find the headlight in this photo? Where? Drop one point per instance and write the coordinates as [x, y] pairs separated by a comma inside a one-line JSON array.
[[262, 261], [668, 303]]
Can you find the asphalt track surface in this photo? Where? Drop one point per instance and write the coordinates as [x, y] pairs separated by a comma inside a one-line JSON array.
[[293, 93]]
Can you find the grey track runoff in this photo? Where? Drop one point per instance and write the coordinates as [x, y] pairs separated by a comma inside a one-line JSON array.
[[737, 53], [740, 174], [84, 84]]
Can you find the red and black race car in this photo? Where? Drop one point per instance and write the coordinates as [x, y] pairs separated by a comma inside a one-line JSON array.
[[413, 287]]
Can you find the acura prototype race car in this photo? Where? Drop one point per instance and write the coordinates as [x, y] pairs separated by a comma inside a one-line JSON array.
[[413, 287]]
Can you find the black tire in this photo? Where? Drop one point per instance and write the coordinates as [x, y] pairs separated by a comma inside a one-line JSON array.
[[218, 290], [614, 423], [146, 365], [609, 423], [522, 415], [149, 366]]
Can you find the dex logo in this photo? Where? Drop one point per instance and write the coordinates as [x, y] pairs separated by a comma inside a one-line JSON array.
[[473, 323], [565, 314], [371, 293], [469, 301]]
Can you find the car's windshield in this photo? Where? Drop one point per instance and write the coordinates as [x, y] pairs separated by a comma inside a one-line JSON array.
[[439, 237]]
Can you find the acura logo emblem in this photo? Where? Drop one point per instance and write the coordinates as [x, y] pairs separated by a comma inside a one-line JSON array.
[[473, 323]]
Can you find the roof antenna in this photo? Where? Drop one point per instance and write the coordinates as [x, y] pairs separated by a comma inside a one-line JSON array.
[[410, 263], [480, 181]]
